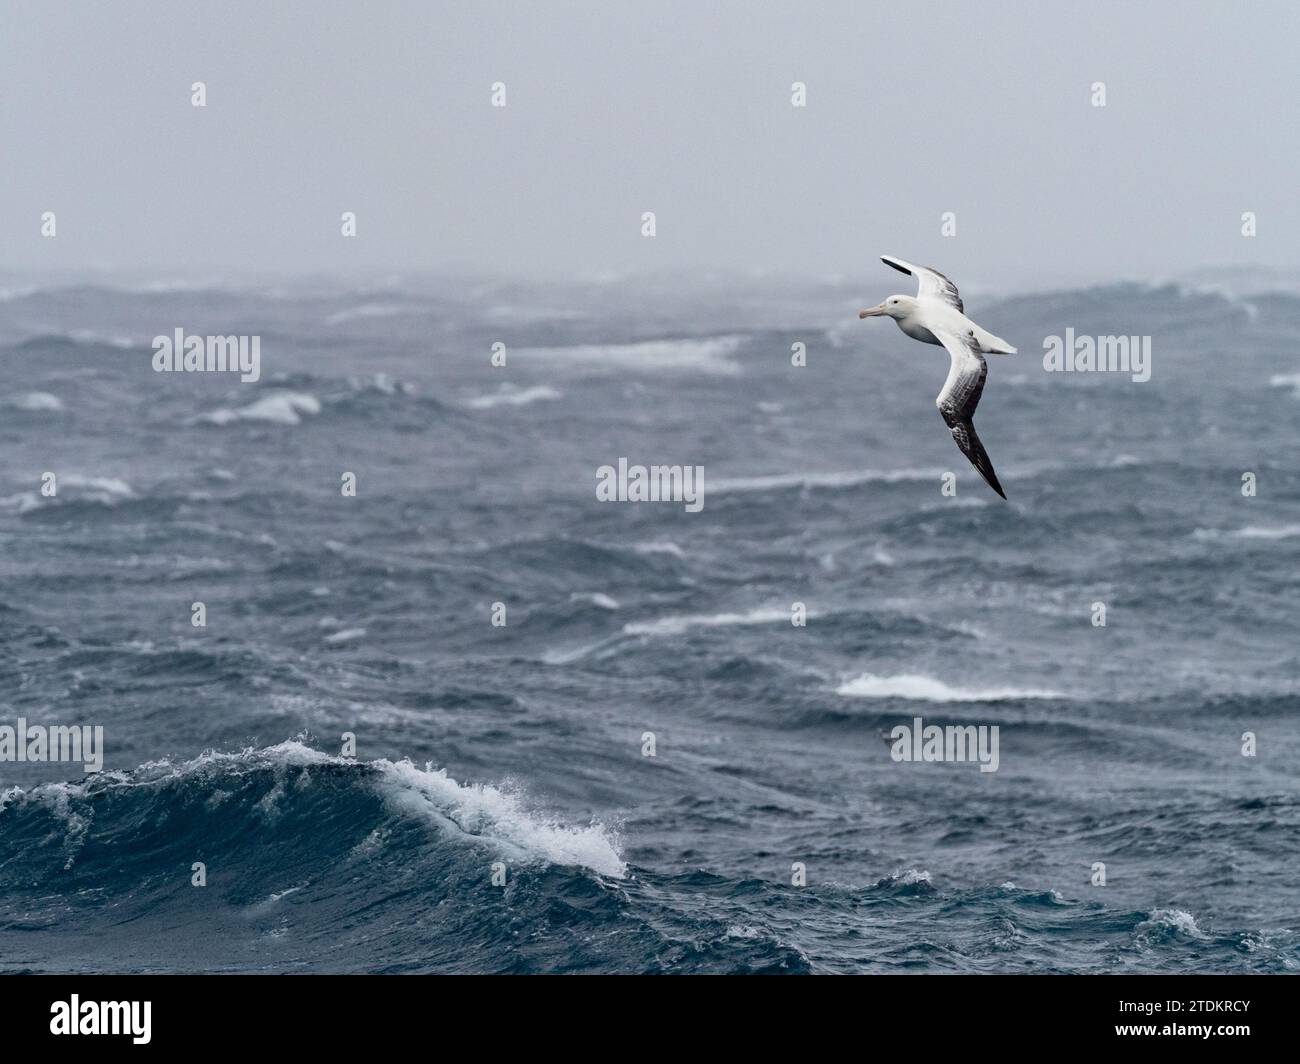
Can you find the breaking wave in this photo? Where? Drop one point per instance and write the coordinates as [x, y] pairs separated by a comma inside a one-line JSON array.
[[924, 688]]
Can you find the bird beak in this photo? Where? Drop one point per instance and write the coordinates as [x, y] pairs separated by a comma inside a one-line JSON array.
[[874, 312]]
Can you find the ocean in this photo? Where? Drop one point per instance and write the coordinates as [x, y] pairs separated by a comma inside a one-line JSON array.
[[590, 735]]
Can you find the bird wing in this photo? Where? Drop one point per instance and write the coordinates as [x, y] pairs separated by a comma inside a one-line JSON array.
[[931, 284], [959, 397]]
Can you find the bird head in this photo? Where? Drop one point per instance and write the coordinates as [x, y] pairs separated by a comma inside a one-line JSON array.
[[893, 307]]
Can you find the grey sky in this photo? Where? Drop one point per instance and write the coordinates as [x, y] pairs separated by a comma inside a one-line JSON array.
[[681, 108]]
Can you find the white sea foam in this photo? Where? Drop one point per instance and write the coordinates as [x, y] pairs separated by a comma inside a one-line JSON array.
[[382, 383], [72, 487], [1286, 380], [478, 811], [21, 502], [847, 479], [660, 547], [102, 489], [280, 408], [1248, 532], [498, 817], [37, 401], [906, 877], [924, 688], [596, 598], [347, 635], [510, 396], [89, 336], [679, 624], [1177, 920], [711, 355]]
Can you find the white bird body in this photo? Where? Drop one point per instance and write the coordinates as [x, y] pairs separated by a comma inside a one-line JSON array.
[[936, 315], [922, 318]]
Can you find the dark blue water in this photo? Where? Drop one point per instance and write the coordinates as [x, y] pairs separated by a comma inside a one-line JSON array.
[[521, 745]]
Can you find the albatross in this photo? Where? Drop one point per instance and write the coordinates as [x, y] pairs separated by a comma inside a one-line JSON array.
[[935, 315]]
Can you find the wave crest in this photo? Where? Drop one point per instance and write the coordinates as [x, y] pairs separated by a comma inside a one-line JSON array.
[[465, 812], [925, 688]]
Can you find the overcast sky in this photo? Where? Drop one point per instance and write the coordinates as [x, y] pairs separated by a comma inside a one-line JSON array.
[[684, 109]]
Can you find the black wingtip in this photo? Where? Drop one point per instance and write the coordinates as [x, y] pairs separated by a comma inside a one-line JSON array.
[[991, 478], [983, 466], [891, 262]]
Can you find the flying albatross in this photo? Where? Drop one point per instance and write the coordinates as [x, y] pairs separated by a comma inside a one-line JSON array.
[[936, 316]]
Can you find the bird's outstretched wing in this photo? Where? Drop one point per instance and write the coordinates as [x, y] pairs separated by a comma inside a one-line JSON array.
[[931, 284], [961, 394]]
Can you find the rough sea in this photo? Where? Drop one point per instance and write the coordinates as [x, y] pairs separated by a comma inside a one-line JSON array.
[[502, 812]]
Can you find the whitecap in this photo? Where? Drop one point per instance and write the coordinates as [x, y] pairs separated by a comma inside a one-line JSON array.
[[89, 336], [906, 877], [346, 635], [1178, 921], [510, 396], [1248, 532], [925, 688], [281, 408], [677, 625], [660, 547], [596, 598], [846, 479], [710, 355], [1286, 380], [480, 812], [37, 401], [107, 491], [485, 812]]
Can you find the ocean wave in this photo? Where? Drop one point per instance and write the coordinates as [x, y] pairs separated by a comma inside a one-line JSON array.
[[601, 648], [1198, 291], [1248, 532], [848, 479], [710, 355], [1168, 924], [99, 339], [345, 635], [907, 881], [37, 401], [596, 598], [279, 408], [484, 811], [72, 488], [660, 547], [927, 689], [381, 383], [512, 396], [465, 813], [1286, 380], [366, 311], [677, 625], [75, 338]]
